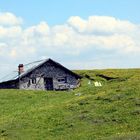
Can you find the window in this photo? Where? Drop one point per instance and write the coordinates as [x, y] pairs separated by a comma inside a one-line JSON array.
[[62, 80], [29, 83], [33, 80]]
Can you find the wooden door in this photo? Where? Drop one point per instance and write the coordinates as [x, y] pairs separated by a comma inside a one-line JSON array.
[[48, 83]]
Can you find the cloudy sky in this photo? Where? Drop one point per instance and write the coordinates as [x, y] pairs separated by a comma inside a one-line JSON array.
[[81, 34]]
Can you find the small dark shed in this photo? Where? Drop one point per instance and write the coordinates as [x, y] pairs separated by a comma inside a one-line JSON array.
[[47, 75]]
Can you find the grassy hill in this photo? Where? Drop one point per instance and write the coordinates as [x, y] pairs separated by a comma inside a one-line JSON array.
[[110, 112]]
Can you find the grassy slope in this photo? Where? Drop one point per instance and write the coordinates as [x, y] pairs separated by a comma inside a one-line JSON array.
[[108, 112]]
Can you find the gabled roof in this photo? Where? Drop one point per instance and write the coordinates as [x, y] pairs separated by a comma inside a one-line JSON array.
[[32, 66], [45, 61], [13, 75]]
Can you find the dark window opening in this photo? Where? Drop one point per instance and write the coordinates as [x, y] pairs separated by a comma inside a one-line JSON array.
[[33, 80], [29, 83], [62, 80]]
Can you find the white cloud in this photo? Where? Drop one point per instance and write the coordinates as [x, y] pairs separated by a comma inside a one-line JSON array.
[[77, 39], [3, 48], [101, 24], [10, 32], [78, 23], [13, 53], [9, 19]]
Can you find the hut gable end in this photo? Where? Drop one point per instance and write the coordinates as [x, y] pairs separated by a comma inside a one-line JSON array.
[[48, 75]]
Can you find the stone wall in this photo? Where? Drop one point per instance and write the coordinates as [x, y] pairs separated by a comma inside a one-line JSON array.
[[49, 70]]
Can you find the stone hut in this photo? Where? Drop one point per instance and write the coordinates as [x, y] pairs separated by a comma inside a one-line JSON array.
[[46, 75]]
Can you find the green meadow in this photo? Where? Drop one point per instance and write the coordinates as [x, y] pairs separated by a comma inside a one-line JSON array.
[[107, 112]]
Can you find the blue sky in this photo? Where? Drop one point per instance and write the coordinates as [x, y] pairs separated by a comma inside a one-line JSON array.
[[81, 34], [58, 11]]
